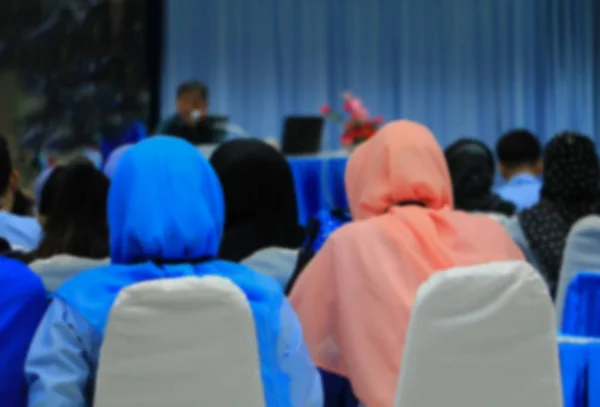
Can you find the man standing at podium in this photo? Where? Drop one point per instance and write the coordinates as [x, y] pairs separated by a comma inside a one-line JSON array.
[[189, 122]]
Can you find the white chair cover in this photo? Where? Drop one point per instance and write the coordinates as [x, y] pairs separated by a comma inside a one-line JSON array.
[[580, 254], [56, 270], [275, 262], [481, 336], [180, 343]]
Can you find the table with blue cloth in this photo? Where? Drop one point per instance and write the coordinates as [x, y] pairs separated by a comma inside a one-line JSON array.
[[319, 182], [579, 365]]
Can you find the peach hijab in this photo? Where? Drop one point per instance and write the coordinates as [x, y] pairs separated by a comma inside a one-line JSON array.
[[354, 298]]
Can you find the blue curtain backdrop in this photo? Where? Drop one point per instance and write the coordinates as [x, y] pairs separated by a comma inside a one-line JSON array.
[[463, 67]]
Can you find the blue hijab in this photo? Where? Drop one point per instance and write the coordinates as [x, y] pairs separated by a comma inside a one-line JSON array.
[[166, 216]]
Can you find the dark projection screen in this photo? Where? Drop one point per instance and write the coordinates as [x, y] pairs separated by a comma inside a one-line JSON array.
[[80, 69]]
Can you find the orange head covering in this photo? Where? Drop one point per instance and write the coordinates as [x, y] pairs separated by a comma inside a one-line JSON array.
[[354, 298]]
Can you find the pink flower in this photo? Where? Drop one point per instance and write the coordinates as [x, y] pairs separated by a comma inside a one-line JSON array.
[[378, 120], [325, 110]]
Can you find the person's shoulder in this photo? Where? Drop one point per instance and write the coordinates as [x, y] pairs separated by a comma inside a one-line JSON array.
[[18, 279], [355, 231], [95, 278], [25, 225], [19, 219]]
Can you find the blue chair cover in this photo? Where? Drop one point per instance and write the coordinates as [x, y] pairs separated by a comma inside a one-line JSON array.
[[581, 314], [593, 386], [573, 367]]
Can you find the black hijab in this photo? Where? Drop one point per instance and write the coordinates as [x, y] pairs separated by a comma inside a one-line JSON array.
[[570, 192], [260, 199], [472, 167]]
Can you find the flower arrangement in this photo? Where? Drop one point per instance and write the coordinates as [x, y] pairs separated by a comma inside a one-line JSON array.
[[358, 127]]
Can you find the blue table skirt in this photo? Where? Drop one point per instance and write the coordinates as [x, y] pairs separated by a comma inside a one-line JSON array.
[[319, 184], [580, 371]]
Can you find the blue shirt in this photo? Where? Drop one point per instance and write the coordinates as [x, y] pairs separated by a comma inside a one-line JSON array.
[[20, 231], [522, 189], [63, 358]]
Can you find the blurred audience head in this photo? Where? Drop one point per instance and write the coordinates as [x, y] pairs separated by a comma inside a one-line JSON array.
[[403, 164], [571, 169], [73, 209], [519, 151], [165, 204], [192, 101], [260, 199], [472, 169]]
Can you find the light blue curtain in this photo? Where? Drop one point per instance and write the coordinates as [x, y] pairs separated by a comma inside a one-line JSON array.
[[463, 67]]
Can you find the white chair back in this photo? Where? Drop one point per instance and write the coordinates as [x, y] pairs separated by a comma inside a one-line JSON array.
[[56, 270], [580, 254], [481, 336], [179, 343], [275, 262]]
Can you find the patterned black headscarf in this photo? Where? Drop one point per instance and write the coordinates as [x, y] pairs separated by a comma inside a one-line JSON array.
[[571, 191]]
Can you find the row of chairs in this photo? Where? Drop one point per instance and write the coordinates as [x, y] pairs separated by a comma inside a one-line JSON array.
[[478, 336], [580, 254]]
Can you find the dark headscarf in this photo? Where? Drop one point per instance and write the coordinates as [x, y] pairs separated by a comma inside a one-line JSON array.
[[260, 199], [570, 192], [471, 165]]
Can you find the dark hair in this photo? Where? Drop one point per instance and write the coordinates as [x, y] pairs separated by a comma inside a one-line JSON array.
[[471, 165], [22, 205], [50, 191], [193, 86], [74, 201], [518, 147], [4, 246], [5, 165]]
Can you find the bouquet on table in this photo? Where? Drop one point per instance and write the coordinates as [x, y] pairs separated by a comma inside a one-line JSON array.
[[358, 127]]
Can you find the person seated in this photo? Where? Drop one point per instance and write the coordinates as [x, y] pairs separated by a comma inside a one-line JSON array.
[[192, 108], [261, 220], [571, 191], [472, 168], [520, 155], [21, 232], [354, 298], [23, 303], [166, 214], [73, 215]]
